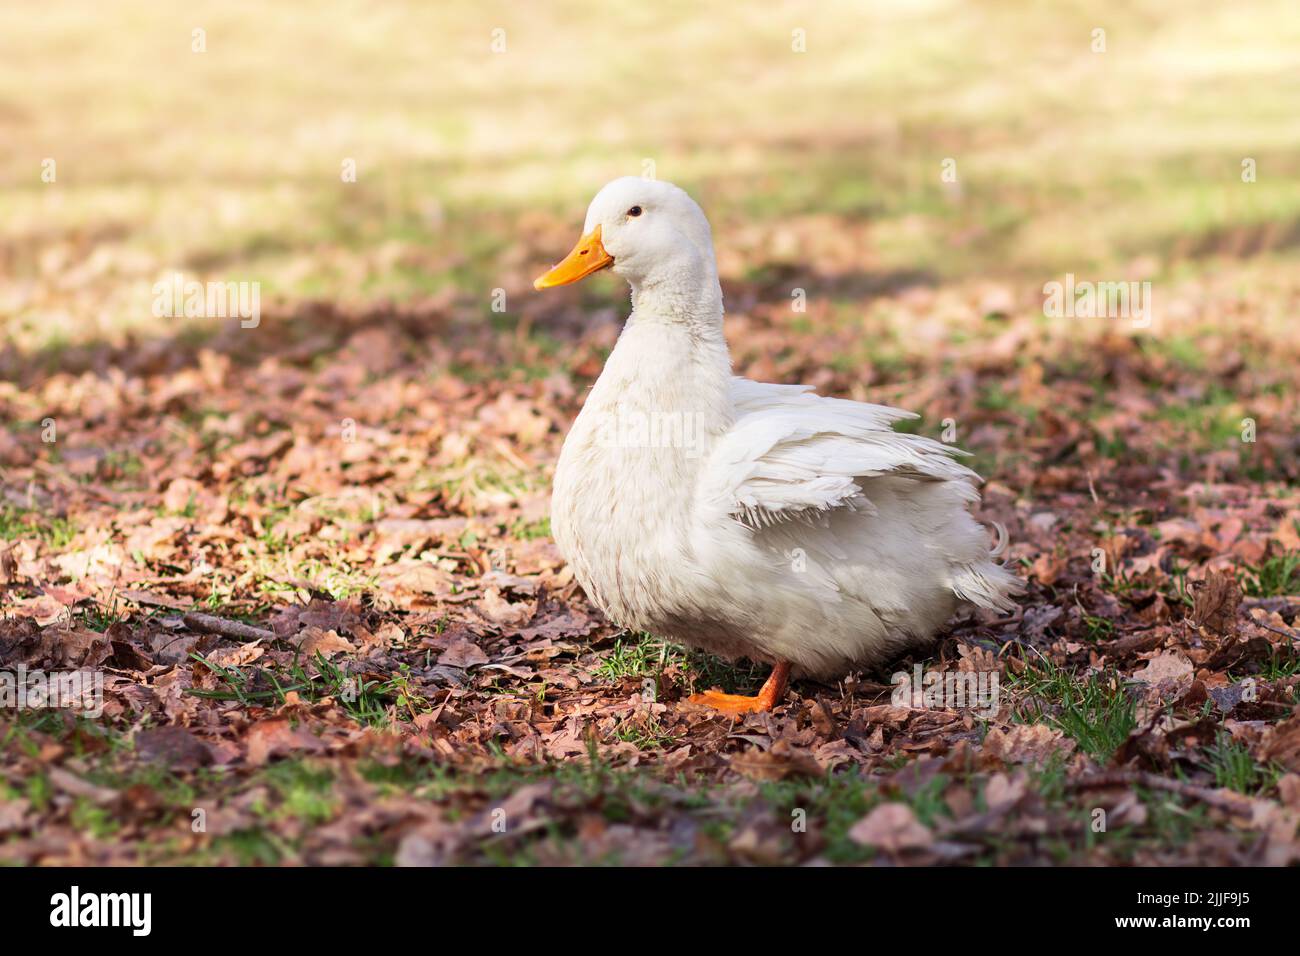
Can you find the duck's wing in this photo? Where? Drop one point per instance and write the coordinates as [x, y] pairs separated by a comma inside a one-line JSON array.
[[793, 455]]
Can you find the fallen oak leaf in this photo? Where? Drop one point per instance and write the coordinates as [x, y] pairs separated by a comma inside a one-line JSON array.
[[1136, 642], [313, 641], [1167, 665], [1281, 745], [462, 654], [500, 611], [1003, 792], [1288, 530], [568, 624], [779, 761], [325, 615], [517, 812], [1129, 811], [236, 656], [891, 828], [1026, 743], [1215, 603], [275, 737], [171, 689], [257, 450], [13, 815]]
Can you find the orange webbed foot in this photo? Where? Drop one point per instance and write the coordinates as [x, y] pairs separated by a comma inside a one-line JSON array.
[[768, 696], [728, 703]]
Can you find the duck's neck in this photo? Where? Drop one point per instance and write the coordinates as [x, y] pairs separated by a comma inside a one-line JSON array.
[[670, 369], [690, 300]]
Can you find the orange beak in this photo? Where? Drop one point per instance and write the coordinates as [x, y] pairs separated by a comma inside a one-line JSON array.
[[588, 256]]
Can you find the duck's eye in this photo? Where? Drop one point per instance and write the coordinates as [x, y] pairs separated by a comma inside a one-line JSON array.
[[634, 211]]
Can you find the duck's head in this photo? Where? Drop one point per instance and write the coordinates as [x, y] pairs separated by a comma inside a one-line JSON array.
[[649, 232]]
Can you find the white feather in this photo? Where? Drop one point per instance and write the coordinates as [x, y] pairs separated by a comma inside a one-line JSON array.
[[790, 526]]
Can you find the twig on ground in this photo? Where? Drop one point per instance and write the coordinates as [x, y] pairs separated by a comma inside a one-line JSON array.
[[1222, 800], [1284, 631], [235, 630], [1284, 602], [1137, 640]]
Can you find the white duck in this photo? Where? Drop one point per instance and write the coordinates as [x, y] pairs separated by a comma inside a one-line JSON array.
[[747, 519]]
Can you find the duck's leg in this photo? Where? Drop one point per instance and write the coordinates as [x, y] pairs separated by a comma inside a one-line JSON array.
[[768, 696]]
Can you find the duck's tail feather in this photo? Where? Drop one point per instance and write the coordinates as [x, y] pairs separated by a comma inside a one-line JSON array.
[[987, 585], [1003, 540]]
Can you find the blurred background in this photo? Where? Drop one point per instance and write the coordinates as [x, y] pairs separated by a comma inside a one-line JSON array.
[[480, 131]]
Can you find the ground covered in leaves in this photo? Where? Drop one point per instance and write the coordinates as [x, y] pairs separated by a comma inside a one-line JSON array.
[[311, 560], [312, 563]]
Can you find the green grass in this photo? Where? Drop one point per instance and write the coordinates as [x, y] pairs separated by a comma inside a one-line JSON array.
[[1277, 576], [100, 616], [1119, 582], [528, 531], [1280, 665], [39, 791], [303, 789], [1234, 768], [645, 733], [994, 398], [300, 793], [29, 523], [190, 509], [91, 818], [368, 702], [1171, 822], [640, 656], [830, 805], [1031, 175], [118, 467], [1177, 588], [1182, 350], [1098, 628], [219, 602], [647, 657], [335, 577], [1096, 711], [1210, 421], [252, 847], [81, 736]]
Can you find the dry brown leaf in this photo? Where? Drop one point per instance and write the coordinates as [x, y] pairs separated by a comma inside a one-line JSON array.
[[313, 641], [1026, 743], [276, 736], [892, 828], [500, 611], [1281, 744], [1216, 603], [1167, 665], [1003, 792], [463, 654]]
